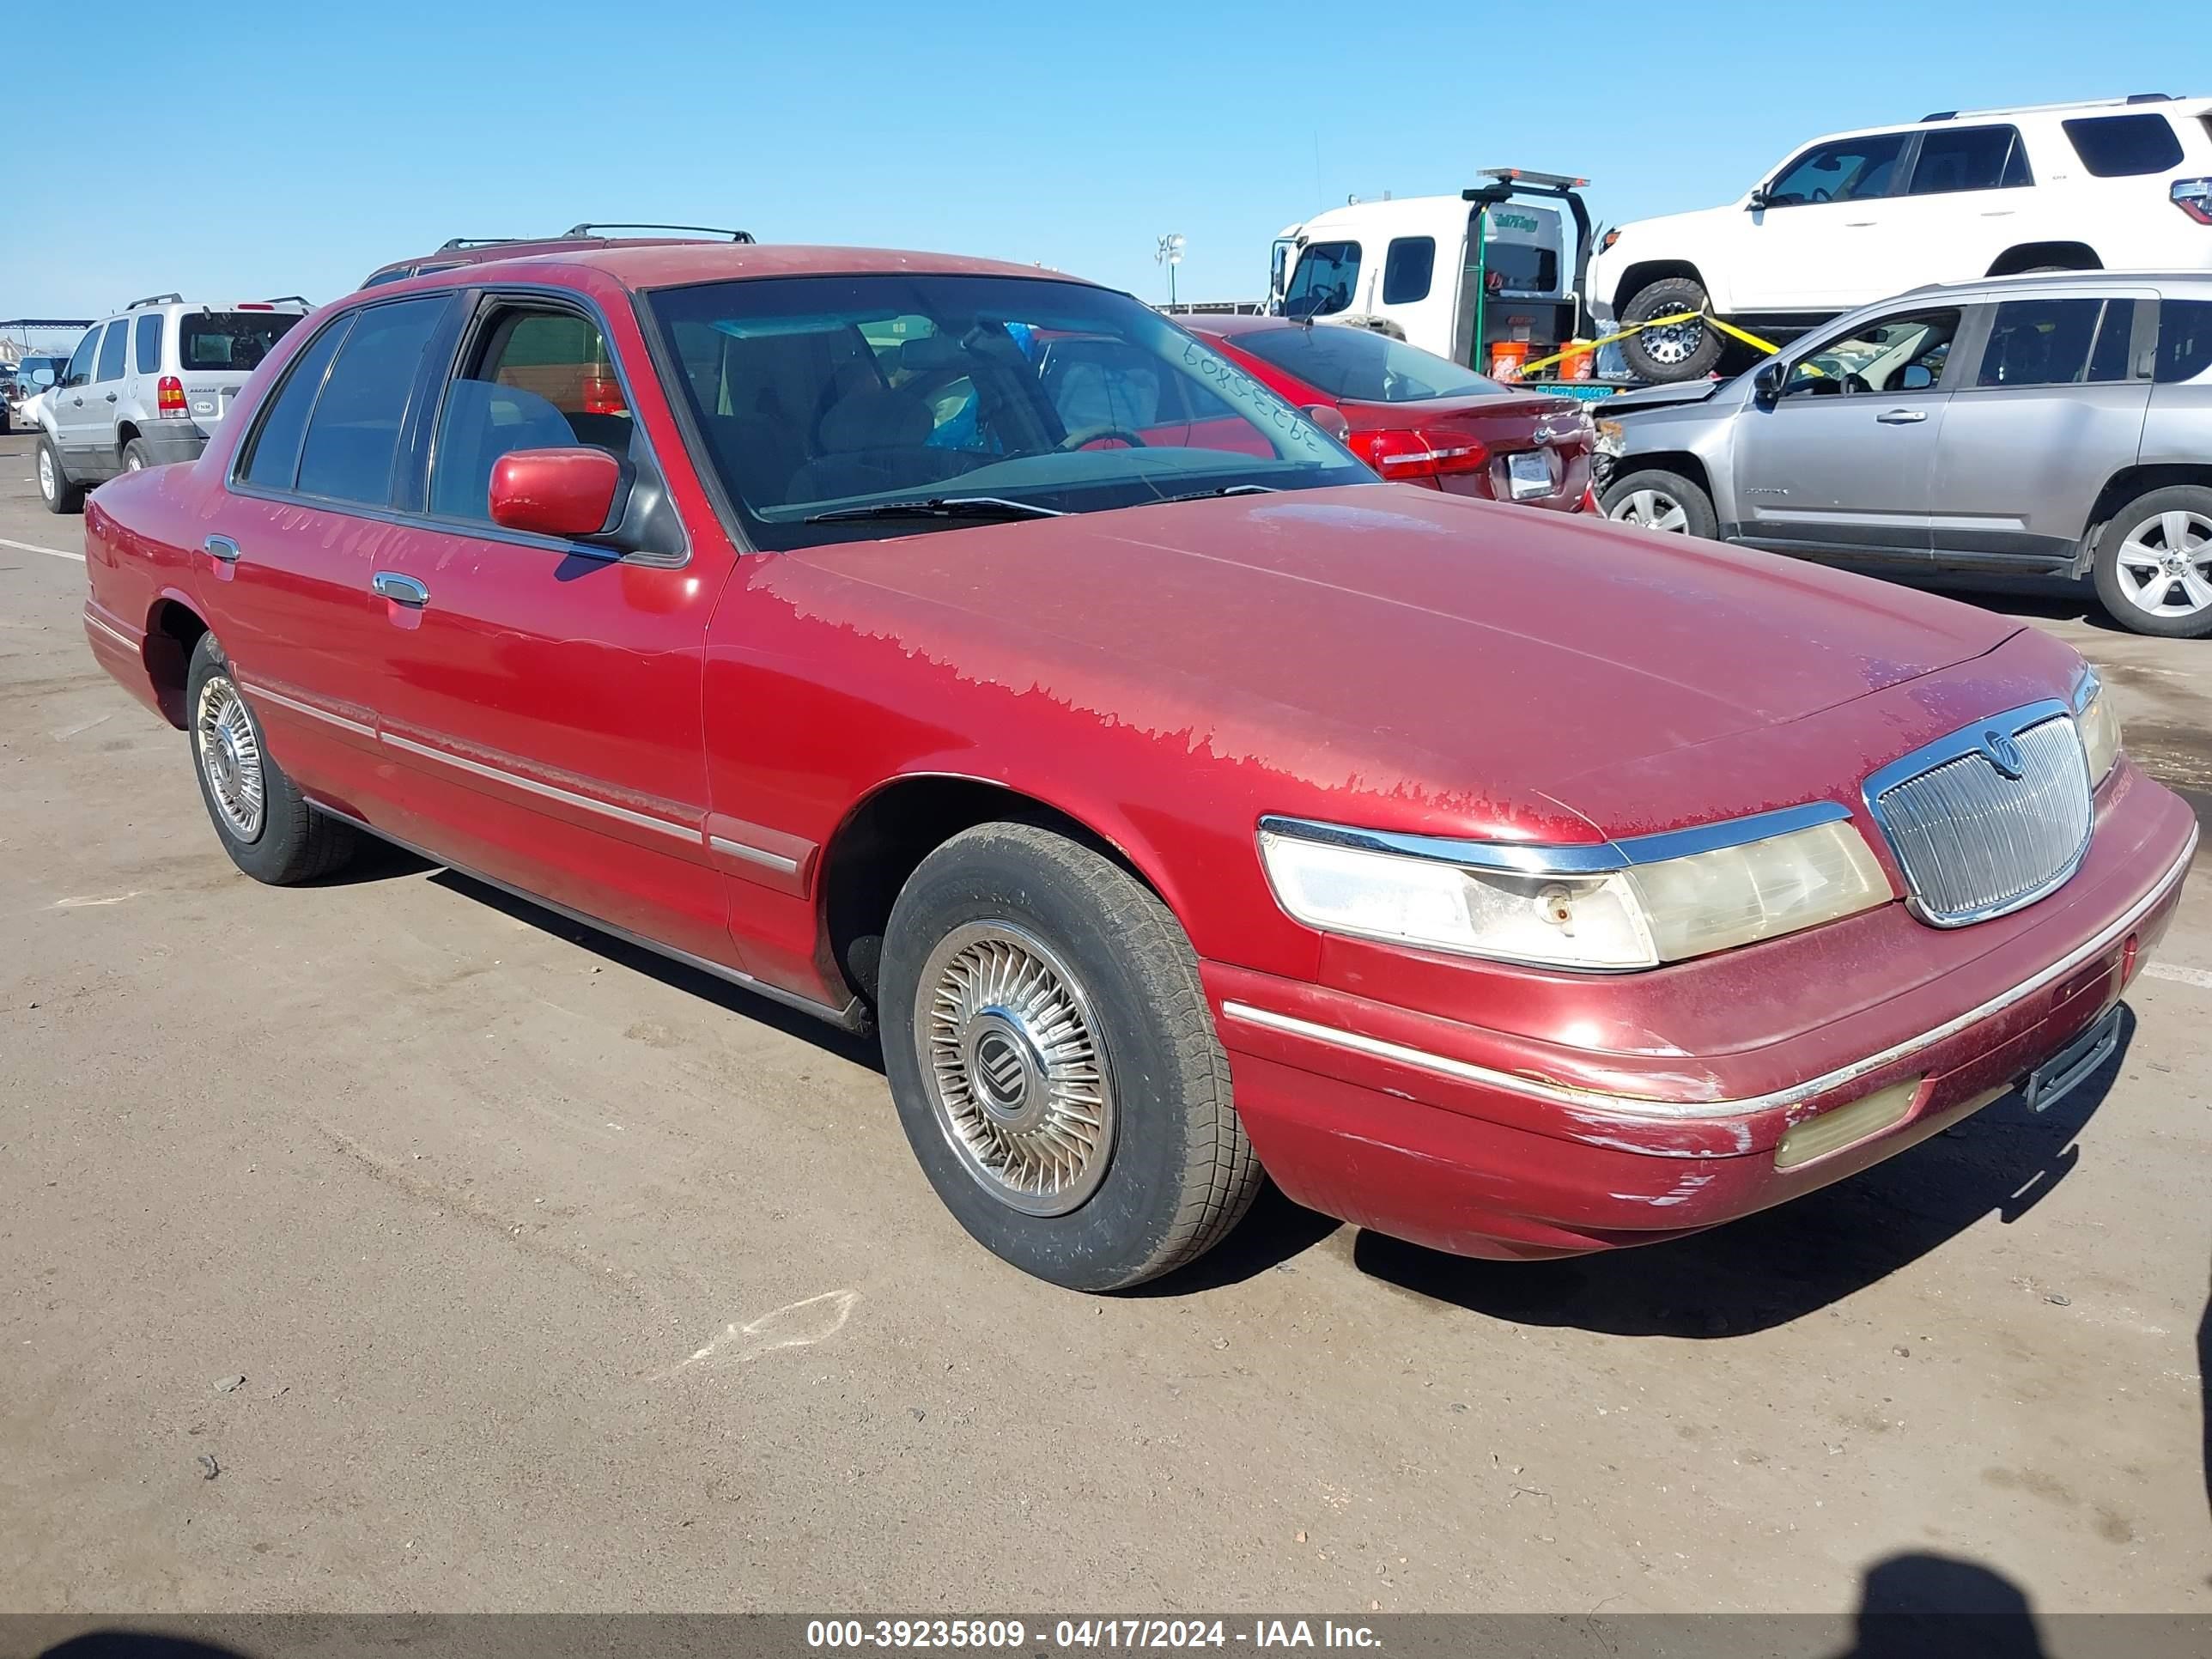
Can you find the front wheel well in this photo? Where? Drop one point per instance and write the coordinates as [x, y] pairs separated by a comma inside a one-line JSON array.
[[2034, 256], [1637, 277], [883, 839], [2123, 487], [172, 630], [1665, 461]]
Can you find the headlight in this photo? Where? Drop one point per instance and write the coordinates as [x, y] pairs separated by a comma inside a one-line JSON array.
[[1636, 916], [2100, 726]]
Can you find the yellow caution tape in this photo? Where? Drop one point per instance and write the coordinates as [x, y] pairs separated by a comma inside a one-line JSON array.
[[1750, 340]]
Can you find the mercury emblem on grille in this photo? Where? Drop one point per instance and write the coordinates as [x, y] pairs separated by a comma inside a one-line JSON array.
[[2003, 751]]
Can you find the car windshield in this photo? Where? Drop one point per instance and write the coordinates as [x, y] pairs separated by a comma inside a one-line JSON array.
[[817, 397], [1360, 364], [239, 340]]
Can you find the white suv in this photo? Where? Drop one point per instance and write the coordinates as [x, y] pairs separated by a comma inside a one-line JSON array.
[[150, 384], [2121, 184]]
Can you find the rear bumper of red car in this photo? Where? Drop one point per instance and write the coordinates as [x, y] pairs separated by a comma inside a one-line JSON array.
[[1393, 1120]]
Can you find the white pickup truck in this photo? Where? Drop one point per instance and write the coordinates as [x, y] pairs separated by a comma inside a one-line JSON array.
[[2118, 184]]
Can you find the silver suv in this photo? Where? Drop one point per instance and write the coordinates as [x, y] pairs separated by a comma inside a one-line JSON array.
[[150, 384], [2054, 424]]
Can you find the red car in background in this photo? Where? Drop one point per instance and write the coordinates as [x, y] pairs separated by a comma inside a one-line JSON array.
[[1416, 417]]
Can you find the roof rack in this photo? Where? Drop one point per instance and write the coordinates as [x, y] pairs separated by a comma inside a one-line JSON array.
[[699, 230], [156, 299], [2038, 109], [479, 241]]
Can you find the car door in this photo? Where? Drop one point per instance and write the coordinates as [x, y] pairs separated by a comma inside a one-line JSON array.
[[543, 696], [1969, 196], [2053, 407], [287, 558], [81, 416], [97, 451], [1815, 238], [1838, 463], [65, 401]]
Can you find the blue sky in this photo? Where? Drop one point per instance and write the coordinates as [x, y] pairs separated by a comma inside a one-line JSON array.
[[243, 151]]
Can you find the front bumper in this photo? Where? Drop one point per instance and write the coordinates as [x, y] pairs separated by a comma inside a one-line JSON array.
[[1441, 1133]]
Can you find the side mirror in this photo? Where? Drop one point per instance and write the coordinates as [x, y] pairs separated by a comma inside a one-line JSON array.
[[42, 377], [555, 492], [1766, 383], [1917, 377], [1759, 199], [1330, 419]]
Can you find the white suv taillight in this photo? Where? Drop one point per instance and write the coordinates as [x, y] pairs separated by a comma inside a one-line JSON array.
[[2194, 197], [169, 398]]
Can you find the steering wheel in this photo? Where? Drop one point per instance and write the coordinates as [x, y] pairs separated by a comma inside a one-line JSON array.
[[1855, 383], [1084, 437]]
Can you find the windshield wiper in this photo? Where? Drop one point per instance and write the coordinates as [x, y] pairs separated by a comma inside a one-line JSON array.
[[939, 507], [1208, 495]]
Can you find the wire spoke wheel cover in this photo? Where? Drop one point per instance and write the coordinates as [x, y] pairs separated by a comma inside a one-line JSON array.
[[2165, 565], [230, 756], [1016, 1068], [1654, 509]]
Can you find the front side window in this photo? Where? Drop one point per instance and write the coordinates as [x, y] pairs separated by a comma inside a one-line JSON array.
[[353, 433], [1970, 158], [111, 350], [1407, 269], [863, 397], [80, 362], [535, 379], [2058, 343], [1326, 277], [2184, 340], [1898, 353], [236, 340], [1848, 170], [146, 344], [2124, 146], [1362, 365]]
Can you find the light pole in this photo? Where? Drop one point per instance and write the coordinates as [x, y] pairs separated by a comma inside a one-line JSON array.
[[1170, 253]]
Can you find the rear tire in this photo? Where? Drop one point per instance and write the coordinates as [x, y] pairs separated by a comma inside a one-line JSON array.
[[2153, 563], [1680, 351], [136, 456], [1054, 1063], [265, 823], [1658, 499], [55, 488]]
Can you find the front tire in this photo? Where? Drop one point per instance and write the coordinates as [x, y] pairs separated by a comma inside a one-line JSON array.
[[1659, 499], [2153, 563], [1679, 351], [55, 488], [1055, 1064], [265, 823]]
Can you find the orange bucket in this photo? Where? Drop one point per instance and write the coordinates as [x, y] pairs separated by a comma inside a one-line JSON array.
[[1506, 357], [1577, 360]]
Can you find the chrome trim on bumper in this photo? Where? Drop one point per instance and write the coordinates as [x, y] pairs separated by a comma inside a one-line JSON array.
[[111, 631], [1592, 1100], [1599, 858]]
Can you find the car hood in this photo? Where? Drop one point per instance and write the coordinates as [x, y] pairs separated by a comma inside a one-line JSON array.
[[1654, 396], [1418, 659]]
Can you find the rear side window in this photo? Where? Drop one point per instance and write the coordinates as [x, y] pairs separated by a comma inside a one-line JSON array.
[[2184, 340], [111, 350], [1407, 269], [146, 342], [1326, 277], [2124, 146], [1969, 158], [2058, 343], [235, 340], [354, 432], [275, 458]]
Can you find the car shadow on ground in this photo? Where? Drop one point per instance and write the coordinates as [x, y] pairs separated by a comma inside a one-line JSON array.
[[2050, 598], [1784, 1263]]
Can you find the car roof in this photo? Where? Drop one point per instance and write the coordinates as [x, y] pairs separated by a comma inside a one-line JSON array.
[[2091, 280], [680, 263]]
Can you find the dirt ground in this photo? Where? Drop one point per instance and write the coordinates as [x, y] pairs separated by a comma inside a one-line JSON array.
[[562, 1279]]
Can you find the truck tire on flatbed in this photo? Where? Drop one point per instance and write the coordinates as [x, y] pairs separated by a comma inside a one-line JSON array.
[[1680, 351]]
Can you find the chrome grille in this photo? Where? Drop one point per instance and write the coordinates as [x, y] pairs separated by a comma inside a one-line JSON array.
[[1975, 843]]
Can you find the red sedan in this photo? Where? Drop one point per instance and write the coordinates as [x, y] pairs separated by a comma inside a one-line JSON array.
[[1178, 800], [1418, 418]]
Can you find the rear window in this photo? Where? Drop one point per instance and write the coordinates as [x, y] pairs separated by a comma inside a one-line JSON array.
[[1362, 365], [2184, 340], [232, 340], [1520, 268], [2124, 146]]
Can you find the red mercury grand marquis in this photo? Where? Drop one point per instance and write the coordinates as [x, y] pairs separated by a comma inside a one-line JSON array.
[[1181, 803]]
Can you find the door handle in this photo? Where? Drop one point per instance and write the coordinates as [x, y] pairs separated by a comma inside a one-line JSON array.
[[79, 402], [1902, 416], [221, 549], [400, 590], [111, 397]]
